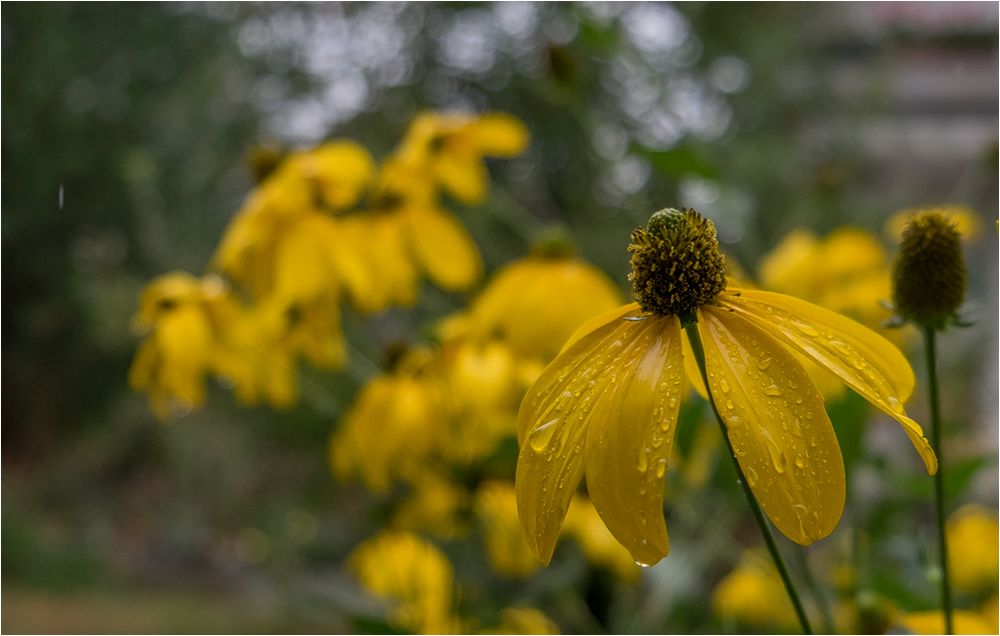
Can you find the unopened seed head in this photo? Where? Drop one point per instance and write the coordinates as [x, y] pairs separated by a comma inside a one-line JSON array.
[[929, 274]]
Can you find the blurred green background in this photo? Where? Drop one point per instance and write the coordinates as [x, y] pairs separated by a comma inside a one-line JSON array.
[[125, 132]]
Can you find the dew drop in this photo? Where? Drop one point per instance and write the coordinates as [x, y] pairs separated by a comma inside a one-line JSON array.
[[643, 463], [541, 436]]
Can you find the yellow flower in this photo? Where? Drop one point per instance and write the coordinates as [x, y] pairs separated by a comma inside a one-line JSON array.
[[583, 523], [182, 345], [523, 620], [752, 594], [339, 171], [973, 537], [519, 304], [412, 576], [932, 622], [608, 405], [394, 423], [506, 549], [964, 218], [434, 504], [450, 149]]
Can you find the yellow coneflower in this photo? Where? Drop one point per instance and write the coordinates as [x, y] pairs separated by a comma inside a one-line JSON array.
[[413, 576], [973, 552], [450, 148], [752, 595], [523, 620], [607, 406], [516, 305], [179, 315]]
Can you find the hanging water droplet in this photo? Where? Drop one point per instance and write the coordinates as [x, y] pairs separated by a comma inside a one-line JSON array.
[[641, 564], [541, 436], [643, 464]]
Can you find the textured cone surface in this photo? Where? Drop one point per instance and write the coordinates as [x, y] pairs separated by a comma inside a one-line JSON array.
[[929, 275], [676, 263]]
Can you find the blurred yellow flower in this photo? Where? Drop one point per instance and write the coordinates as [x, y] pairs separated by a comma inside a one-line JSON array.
[[450, 148], [973, 553], [599, 546], [506, 549], [608, 405], [964, 218], [517, 304], [435, 504], [932, 622], [752, 594], [339, 172], [523, 620], [394, 423], [413, 576], [181, 347]]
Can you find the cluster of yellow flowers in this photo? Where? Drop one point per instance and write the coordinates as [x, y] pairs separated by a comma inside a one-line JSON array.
[[325, 225]]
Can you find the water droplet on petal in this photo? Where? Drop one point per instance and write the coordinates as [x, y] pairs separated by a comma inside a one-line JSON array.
[[763, 363], [641, 564], [661, 467], [541, 436], [800, 462], [643, 463], [772, 390], [751, 475], [724, 386]]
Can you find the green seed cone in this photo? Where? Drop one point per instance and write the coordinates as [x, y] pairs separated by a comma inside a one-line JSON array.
[[929, 275]]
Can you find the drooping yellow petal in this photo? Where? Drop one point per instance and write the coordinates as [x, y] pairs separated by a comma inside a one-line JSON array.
[[630, 437], [463, 176], [444, 248], [552, 427], [868, 363], [498, 135], [777, 425]]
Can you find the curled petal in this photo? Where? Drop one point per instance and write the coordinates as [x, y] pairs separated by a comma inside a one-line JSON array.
[[777, 425], [630, 437], [865, 361]]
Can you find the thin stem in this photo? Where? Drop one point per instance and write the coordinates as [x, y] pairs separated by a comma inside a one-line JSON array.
[[930, 346], [765, 529], [817, 593]]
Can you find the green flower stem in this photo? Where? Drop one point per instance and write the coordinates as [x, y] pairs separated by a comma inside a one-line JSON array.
[[932, 388], [691, 327]]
